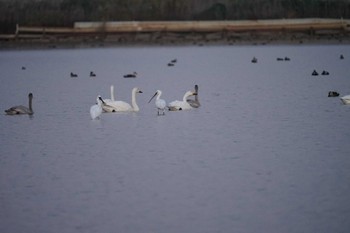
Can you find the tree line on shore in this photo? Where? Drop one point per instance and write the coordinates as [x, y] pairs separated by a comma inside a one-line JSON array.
[[63, 13]]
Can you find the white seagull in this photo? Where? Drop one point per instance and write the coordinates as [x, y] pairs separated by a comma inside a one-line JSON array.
[[121, 106], [160, 103], [20, 109]]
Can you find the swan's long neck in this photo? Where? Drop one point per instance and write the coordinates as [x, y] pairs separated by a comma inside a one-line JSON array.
[[196, 96], [187, 94], [112, 93], [133, 101], [30, 104]]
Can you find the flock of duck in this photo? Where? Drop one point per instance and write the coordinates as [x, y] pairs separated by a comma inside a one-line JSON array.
[[112, 105], [345, 99], [92, 74]]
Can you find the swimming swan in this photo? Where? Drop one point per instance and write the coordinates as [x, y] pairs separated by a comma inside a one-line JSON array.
[[106, 107], [345, 99], [181, 105], [194, 102], [16, 110], [121, 106], [96, 109], [112, 99], [160, 103]]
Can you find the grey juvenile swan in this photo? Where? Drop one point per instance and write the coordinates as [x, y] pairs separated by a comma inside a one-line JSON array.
[[16, 110], [194, 102]]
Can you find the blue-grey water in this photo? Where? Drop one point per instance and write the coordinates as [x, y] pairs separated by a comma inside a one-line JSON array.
[[267, 151]]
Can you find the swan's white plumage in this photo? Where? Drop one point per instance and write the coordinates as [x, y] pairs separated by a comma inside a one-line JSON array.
[[112, 95], [181, 105], [96, 109], [345, 99], [121, 106], [106, 107]]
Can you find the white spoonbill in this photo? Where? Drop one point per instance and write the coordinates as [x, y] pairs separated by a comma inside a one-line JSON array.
[[96, 109], [194, 102], [121, 106], [160, 103], [181, 105], [16, 110], [345, 99]]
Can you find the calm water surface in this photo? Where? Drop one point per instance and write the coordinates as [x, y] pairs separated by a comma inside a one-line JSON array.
[[267, 151]]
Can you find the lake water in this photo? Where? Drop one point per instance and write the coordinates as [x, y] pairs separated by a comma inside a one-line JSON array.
[[267, 151]]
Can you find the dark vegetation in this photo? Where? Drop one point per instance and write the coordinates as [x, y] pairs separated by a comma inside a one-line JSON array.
[[63, 13]]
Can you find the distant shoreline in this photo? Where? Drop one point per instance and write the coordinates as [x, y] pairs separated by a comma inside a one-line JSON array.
[[177, 39], [172, 33]]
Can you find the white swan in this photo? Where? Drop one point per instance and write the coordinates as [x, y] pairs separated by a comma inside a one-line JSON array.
[[106, 107], [194, 102], [112, 99], [16, 110], [121, 106], [181, 105], [345, 99], [160, 103], [96, 109]]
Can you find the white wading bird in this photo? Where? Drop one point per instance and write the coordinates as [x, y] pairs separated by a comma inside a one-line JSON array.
[[96, 109], [16, 110], [194, 102], [121, 106], [160, 103], [181, 105]]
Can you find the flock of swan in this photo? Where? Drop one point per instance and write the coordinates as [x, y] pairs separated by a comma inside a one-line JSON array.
[[112, 105]]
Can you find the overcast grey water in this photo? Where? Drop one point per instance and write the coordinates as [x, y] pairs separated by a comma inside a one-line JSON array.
[[267, 151]]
